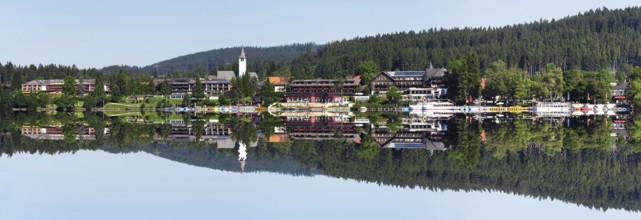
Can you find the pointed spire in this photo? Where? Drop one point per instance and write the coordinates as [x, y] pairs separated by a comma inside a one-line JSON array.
[[431, 67], [242, 53]]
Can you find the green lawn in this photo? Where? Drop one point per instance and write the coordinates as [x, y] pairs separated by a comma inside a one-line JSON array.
[[123, 105], [122, 113], [159, 99]]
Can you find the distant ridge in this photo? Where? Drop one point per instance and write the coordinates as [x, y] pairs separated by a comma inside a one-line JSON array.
[[207, 61]]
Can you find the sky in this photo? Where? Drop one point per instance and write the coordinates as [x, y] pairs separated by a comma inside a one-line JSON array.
[[128, 32], [99, 185]]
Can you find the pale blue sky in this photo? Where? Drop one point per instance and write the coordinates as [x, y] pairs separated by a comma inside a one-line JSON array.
[[98, 185], [102, 33]]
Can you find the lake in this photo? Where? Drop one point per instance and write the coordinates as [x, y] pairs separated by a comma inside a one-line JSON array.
[[91, 166]]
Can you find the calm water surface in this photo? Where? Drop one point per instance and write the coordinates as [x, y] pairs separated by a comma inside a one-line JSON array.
[[101, 185], [261, 167]]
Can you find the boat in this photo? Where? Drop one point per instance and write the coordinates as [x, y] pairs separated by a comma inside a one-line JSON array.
[[610, 106], [577, 106], [599, 106], [553, 109]]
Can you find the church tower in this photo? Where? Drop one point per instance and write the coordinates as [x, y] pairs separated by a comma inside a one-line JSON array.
[[242, 63]]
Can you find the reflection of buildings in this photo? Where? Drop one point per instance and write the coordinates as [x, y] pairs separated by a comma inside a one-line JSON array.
[[620, 128], [415, 133], [321, 128], [55, 132], [424, 125], [212, 133]]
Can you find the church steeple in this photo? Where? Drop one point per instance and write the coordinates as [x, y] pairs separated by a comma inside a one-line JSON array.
[[242, 53], [242, 63]]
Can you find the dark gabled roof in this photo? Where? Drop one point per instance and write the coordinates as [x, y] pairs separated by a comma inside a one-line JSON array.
[[430, 145], [431, 73], [242, 53], [434, 145], [40, 82], [225, 74], [323, 82], [406, 73], [44, 82], [215, 81], [394, 144], [183, 80], [623, 86], [386, 74], [86, 81]]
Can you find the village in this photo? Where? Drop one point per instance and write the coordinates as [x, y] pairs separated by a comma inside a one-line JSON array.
[[323, 109], [419, 92]]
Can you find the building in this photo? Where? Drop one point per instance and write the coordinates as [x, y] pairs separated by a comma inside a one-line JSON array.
[[415, 133], [431, 125], [242, 69], [423, 94], [242, 63], [347, 86], [55, 132], [619, 93], [415, 85], [213, 87], [360, 98], [55, 86], [313, 97], [321, 90], [279, 82], [212, 133]]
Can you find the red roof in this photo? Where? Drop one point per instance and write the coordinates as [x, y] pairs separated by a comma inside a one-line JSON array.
[[278, 80]]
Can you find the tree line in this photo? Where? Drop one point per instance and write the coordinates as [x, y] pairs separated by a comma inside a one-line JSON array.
[[591, 41]]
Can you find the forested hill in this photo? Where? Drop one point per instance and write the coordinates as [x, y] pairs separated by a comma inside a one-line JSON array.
[[207, 61], [593, 40]]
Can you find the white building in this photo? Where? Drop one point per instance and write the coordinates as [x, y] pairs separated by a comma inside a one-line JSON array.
[[242, 63], [242, 69]]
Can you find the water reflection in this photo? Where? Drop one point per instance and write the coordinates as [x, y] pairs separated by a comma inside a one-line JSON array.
[[588, 161]]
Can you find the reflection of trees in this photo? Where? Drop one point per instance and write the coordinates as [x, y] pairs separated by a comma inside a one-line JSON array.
[[268, 123], [69, 132], [394, 122], [549, 137], [369, 149], [124, 134], [634, 129], [198, 127], [244, 131], [467, 144], [541, 159]]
